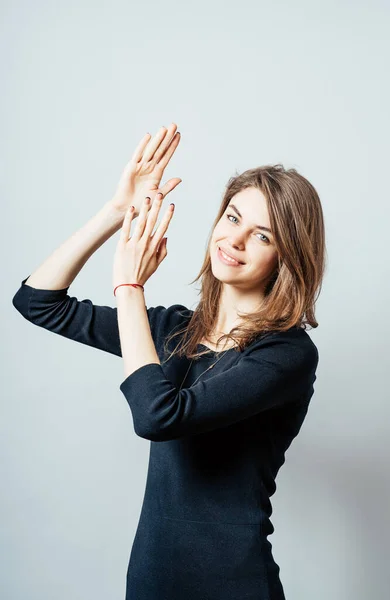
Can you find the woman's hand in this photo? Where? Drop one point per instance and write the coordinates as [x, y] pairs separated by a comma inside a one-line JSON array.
[[138, 257], [143, 173]]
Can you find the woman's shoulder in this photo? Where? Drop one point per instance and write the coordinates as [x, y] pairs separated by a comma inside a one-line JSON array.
[[174, 312], [295, 345], [166, 318]]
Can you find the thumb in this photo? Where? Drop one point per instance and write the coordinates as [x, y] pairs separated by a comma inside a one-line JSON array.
[[170, 185]]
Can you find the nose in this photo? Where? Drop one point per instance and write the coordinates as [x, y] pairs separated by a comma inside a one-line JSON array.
[[236, 241]]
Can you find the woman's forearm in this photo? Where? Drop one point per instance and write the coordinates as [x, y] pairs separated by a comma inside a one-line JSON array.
[[133, 323], [63, 265]]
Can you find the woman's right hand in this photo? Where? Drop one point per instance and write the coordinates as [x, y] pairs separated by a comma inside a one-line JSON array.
[[143, 173]]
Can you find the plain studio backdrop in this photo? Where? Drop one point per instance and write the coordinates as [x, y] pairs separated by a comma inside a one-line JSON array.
[[248, 83]]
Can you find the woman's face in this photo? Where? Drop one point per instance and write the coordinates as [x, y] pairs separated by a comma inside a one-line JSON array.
[[242, 233]]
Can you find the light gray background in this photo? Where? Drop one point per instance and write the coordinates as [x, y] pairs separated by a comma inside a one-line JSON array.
[[248, 83]]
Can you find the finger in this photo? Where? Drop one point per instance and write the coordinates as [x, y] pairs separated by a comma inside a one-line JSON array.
[[155, 143], [126, 226], [142, 218], [153, 215], [166, 142], [164, 160], [137, 154], [166, 188], [169, 185], [162, 250], [162, 228], [160, 246]]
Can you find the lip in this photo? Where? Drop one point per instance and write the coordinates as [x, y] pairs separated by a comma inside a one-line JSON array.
[[225, 262]]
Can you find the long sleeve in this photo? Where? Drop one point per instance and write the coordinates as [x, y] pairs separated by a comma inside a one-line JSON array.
[[279, 369], [78, 320]]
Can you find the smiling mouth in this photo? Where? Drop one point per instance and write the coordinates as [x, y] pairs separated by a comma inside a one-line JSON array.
[[228, 259]]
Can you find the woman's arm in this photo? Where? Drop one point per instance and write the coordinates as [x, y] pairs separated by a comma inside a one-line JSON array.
[[278, 371], [43, 299], [141, 176], [63, 265]]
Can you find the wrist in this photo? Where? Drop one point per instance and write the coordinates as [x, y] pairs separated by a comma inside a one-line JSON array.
[[126, 288], [114, 211], [119, 210]]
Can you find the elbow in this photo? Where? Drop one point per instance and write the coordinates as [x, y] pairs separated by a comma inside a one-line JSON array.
[[154, 432], [153, 435], [144, 428], [20, 305], [158, 415]]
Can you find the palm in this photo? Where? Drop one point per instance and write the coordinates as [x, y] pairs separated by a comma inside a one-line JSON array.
[[136, 182]]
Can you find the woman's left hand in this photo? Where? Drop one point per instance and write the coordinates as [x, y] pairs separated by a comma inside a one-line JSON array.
[[138, 257]]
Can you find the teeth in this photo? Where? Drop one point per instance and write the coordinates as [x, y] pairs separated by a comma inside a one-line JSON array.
[[228, 258]]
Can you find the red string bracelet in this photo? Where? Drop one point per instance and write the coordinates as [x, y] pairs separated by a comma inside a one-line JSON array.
[[133, 284]]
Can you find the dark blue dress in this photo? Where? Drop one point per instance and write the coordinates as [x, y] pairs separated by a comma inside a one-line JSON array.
[[215, 448]]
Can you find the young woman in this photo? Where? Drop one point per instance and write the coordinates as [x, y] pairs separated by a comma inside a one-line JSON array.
[[220, 391]]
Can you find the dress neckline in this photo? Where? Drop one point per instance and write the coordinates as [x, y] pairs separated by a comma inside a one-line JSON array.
[[216, 351]]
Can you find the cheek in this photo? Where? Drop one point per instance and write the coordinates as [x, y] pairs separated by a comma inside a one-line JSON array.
[[267, 260], [218, 234], [218, 229]]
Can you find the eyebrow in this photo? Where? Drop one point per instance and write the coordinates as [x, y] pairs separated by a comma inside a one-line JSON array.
[[240, 215]]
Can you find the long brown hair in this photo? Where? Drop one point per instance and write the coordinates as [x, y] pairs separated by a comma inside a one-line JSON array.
[[297, 220]]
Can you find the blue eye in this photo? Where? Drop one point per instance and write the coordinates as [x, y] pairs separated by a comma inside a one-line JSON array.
[[234, 217]]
